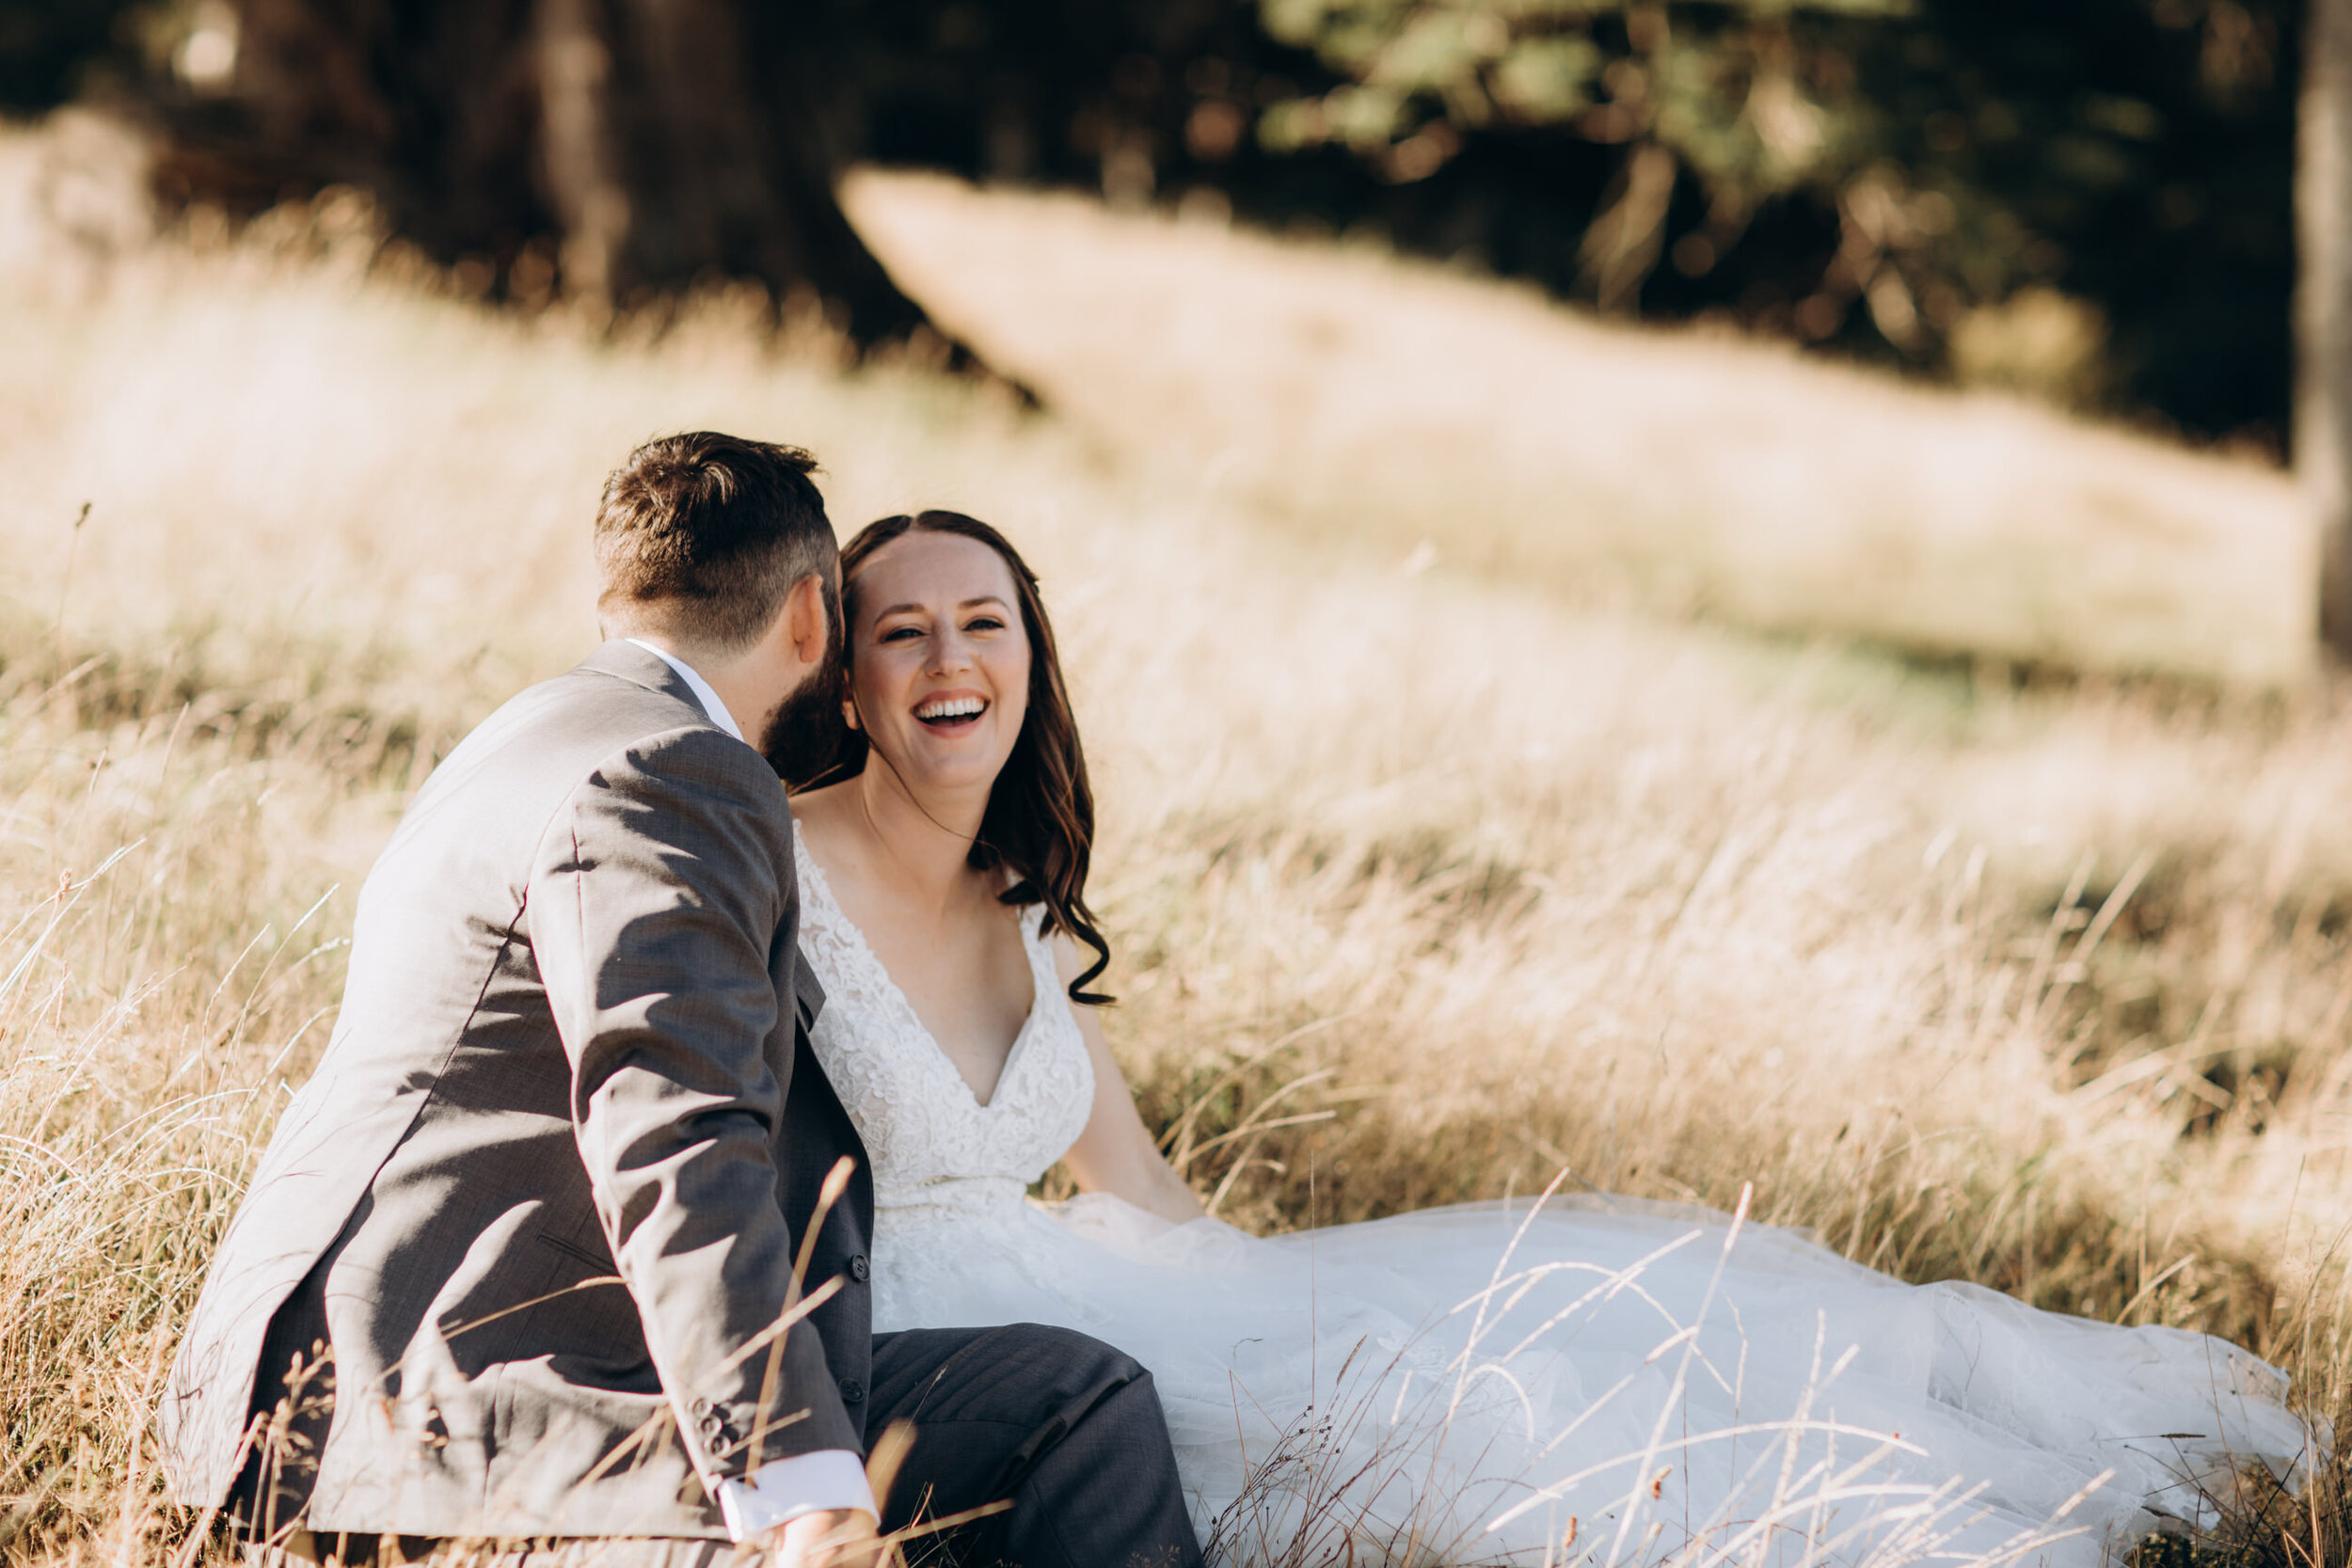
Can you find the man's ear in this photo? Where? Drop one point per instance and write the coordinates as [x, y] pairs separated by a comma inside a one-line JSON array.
[[805, 624]]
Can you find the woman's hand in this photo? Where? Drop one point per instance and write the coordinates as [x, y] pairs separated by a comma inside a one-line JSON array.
[[1115, 1154]]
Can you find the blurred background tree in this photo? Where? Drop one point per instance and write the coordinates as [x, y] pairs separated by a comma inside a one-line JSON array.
[[2323, 308], [2089, 199], [608, 150]]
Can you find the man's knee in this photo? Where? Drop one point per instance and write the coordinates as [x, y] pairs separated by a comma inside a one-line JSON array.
[[1075, 1358], [1085, 1385]]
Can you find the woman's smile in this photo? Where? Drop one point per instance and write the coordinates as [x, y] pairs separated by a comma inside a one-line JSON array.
[[950, 712]]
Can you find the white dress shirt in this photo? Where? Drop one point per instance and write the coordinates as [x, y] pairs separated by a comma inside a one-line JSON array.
[[703, 694], [780, 1490]]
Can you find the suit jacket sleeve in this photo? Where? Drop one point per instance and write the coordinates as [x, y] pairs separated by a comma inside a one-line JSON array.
[[659, 908]]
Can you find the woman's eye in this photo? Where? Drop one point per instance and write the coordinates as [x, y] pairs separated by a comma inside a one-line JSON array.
[[984, 623], [899, 634]]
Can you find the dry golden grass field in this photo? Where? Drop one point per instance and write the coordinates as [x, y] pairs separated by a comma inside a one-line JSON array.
[[1443, 791]]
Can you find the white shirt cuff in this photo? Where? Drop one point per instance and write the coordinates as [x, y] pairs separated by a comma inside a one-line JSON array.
[[782, 1490]]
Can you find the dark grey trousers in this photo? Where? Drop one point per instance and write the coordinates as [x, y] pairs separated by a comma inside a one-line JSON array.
[[1063, 1427]]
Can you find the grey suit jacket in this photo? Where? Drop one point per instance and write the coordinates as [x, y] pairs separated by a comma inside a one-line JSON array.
[[547, 1185]]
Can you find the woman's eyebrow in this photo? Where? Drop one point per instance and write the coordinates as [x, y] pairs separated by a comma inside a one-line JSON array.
[[917, 608]]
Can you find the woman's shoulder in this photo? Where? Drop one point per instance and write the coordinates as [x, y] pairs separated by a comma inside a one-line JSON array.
[[818, 808], [823, 832], [1070, 959]]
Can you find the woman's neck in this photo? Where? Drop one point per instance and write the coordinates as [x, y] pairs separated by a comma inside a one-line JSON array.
[[922, 845]]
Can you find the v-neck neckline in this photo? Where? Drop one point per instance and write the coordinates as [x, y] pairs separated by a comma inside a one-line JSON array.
[[823, 886]]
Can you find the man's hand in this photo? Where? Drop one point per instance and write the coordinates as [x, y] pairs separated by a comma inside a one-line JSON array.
[[830, 1538]]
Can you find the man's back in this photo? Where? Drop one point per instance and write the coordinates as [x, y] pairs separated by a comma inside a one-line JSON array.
[[442, 1201], [551, 1198]]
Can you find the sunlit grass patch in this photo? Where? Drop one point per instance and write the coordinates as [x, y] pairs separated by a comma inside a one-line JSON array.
[[1424, 886]]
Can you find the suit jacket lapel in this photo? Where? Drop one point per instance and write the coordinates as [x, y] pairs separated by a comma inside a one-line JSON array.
[[808, 995]]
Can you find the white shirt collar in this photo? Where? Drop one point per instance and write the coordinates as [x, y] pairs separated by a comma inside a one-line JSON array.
[[716, 709]]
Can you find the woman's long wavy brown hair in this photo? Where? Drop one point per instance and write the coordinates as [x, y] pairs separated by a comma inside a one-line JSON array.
[[1040, 822]]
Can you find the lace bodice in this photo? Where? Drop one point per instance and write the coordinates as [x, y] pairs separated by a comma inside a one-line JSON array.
[[935, 1148]]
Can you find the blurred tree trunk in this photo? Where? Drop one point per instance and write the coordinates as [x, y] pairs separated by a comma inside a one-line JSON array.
[[2323, 199], [580, 162], [652, 143]]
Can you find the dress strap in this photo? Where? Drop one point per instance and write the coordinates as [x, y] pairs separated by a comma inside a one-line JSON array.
[[1045, 974], [821, 915]]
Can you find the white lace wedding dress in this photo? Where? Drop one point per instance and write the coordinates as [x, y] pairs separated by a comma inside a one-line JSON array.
[[1587, 1381]]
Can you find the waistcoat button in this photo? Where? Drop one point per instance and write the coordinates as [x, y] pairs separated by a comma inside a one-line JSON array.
[[860, 1270], [852, 1392]]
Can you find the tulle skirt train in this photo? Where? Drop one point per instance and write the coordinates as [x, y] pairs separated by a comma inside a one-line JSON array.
[[1604, 1381]]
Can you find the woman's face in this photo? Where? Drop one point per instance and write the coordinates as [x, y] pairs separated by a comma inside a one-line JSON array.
[[939, 660]]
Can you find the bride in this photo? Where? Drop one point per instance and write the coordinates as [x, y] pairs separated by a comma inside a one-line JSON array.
[[1557, 1381]]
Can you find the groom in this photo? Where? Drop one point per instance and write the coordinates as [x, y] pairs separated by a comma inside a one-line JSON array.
[[519, 1259]]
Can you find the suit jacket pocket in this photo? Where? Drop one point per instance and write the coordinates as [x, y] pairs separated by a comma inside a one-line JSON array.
[[576, 1459], [582, 1317]]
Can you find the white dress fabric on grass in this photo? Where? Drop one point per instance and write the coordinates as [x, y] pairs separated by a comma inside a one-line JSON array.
[[1586, 1380]]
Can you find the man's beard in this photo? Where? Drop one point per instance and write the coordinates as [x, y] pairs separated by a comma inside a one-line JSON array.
[[803, 736]]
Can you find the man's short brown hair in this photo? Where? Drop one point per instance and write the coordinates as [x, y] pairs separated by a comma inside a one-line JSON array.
[[700, 537]]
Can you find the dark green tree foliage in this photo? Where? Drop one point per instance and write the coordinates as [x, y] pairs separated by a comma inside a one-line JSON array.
[[2137, 153], [2090, 197], [48, 47], [1868, 172]]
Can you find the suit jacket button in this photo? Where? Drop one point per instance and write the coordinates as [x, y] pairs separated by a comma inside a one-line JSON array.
[[860, 1270], [852, 1392]]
